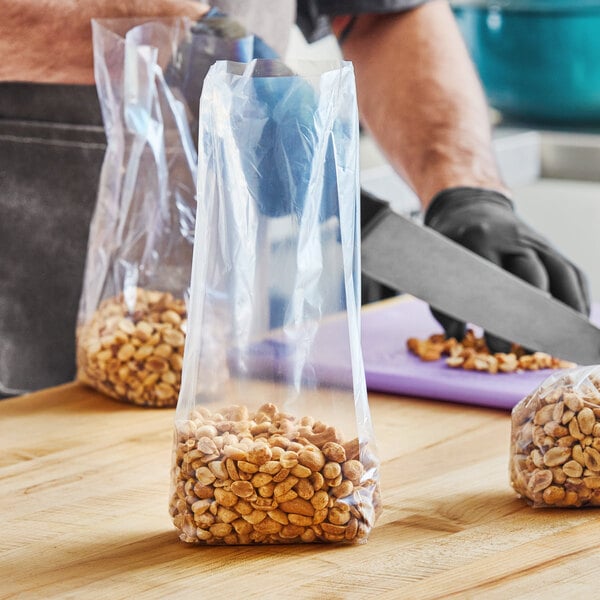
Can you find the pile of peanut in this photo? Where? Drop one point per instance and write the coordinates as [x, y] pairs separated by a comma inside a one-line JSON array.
[[472, 354], [134, 355], [555, 446], [269, 478]]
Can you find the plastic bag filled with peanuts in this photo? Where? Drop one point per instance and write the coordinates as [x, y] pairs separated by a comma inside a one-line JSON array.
[[555, 441], [269, 447], [132, 315]]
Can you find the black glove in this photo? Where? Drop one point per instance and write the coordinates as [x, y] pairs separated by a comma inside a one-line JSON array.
[[484, 221]]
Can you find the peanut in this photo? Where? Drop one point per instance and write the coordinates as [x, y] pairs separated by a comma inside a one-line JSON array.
[[300, 519], [237, 488], [556, 456], [243, 489], [331, 470], [555, 445], [312, 458], [334, 452], [591, 459], [298, 506], [120, 352], [471, 353], [305, 489], [572, 469], [320, 500], [540, 480], [353, 470], [586, 420]]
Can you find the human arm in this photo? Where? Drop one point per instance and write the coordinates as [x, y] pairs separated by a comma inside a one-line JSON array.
[[420, 98], [50, 41]]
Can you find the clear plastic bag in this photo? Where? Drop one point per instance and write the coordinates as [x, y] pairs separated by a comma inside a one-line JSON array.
[[555, 441], [269, 446], [132, 315]]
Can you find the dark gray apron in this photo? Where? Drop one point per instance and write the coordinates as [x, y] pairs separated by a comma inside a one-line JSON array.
[[52, 145], [51, 150]]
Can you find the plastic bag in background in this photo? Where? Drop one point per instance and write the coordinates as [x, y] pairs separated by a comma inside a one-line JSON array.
[[132, 315], [269, 447], [555, 441]]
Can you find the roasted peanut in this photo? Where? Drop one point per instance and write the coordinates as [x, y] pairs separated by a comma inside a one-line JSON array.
[[572, 469], [555, 446], [353, 470], [331, 470], [300, 520], [119, 349], [231, 487], [556, 456], [298, 506], [471, 353], [312, 458], [243, 489], [540, 480], [305, 489], [334, 452]]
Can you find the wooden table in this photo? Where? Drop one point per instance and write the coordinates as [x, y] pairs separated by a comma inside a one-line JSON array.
[[84, 485]]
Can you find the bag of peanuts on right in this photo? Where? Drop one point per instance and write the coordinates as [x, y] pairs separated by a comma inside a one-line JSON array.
[[555, 441], [269, 446]]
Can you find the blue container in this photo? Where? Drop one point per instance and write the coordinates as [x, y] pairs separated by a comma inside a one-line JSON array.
[[539, 60]]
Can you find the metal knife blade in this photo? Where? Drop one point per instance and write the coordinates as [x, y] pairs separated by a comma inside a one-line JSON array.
[[417, 260]]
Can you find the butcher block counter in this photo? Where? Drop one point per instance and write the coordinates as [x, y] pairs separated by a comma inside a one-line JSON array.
[[84, 486]]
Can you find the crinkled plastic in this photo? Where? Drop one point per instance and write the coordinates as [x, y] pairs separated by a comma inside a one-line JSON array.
[[132, 315], [269, 447], [555, 441]]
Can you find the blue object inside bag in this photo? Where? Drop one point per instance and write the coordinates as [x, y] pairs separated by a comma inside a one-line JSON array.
[[279, 130], [539, 60], [281, 137], [215, 36]]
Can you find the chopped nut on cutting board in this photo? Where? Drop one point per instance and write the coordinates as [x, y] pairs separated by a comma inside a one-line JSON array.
[[472, 354]]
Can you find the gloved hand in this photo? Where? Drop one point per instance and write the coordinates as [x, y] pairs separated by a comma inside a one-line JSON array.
[[484, 221]]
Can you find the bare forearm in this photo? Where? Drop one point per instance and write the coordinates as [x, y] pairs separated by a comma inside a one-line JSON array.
[[421, 99], [50, 41]]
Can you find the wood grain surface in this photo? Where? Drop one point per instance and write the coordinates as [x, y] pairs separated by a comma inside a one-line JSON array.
[[84, 484]]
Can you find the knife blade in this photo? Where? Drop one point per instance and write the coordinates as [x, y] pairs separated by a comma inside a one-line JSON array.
[[416, 259]]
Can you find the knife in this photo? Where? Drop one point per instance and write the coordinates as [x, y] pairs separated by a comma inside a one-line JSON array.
[[416, 259]]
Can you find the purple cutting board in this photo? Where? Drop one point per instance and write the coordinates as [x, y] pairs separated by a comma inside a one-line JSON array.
[[389, 367]]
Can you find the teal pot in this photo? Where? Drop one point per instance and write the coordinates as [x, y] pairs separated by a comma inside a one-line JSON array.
[[539, 60]]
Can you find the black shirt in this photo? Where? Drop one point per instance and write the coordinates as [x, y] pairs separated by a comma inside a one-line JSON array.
[[313, 15]]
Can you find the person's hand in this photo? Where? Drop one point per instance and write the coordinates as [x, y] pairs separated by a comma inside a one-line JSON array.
[[484, 221]]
